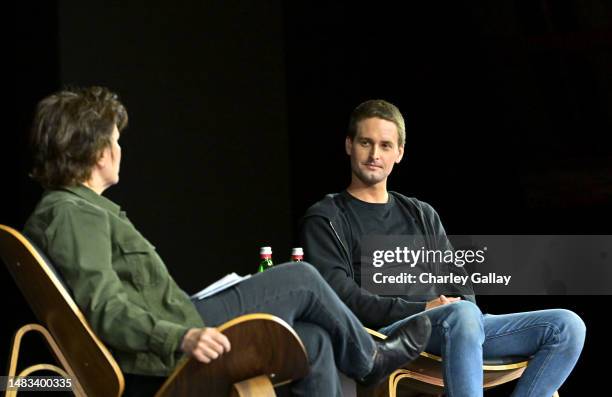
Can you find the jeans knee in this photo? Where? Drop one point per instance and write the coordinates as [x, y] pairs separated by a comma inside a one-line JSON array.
[[306, 274], [465, 320], [308, 270], [465, 309], [571, 327]]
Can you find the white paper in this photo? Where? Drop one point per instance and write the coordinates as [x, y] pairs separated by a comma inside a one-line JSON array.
[[220, 285]]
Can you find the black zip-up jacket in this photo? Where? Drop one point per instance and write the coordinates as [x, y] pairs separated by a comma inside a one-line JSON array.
[[324, 234]]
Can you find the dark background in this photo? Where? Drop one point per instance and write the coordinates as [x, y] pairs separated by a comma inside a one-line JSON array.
[[238, 112]]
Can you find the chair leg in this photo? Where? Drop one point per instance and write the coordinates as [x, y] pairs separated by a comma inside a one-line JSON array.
[[65, 372], [259, 386]]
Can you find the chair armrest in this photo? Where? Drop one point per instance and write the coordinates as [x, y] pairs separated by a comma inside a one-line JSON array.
[[262, 344]]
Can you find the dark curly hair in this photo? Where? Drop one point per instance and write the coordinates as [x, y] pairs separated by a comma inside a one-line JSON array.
[[71, 129]]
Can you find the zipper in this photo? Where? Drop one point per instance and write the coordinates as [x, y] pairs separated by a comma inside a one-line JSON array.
[[429, 239], [345, 249]]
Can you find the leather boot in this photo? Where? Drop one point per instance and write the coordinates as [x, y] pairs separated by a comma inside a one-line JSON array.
[[398, 349]]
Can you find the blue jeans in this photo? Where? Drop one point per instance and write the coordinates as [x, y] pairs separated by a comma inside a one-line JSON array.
[[462, 335]]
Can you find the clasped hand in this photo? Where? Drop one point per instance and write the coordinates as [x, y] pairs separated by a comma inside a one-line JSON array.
[[205, 344]]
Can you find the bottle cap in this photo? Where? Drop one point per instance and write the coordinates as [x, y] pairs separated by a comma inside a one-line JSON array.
[[265, 251], [298, 251]]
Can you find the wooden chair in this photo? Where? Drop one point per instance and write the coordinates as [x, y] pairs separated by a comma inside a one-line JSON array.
[[266, 351], [423, 376]]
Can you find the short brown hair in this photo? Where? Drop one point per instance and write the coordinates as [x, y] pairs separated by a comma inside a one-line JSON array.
[[71, 128], [381, 109]]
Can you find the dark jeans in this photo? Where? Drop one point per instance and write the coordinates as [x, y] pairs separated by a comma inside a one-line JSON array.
[[296, 292]]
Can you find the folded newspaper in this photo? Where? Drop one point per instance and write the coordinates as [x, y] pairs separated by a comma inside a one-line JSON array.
[[220, 285]]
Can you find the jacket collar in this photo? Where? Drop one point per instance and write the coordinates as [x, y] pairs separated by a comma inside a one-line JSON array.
[[87, 194]]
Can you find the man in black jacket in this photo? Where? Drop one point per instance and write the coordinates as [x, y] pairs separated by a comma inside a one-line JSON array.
[[334, 229]]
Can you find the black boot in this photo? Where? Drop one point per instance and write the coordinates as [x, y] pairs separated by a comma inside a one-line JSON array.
[[401, 347]]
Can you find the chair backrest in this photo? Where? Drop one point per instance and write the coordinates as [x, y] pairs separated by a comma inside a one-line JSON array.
[[92, 363]]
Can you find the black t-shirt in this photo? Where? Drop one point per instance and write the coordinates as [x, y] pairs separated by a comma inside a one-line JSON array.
[[390, 218], [367, 219], [383, 219]]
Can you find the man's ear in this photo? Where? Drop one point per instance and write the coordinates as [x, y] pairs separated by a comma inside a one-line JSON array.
[[102, 158], [348, 145], [401, 154]]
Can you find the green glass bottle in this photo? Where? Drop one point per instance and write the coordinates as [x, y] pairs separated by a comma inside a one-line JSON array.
[[265, 255]]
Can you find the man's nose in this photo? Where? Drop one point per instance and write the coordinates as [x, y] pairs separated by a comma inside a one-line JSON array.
[[374, 152]]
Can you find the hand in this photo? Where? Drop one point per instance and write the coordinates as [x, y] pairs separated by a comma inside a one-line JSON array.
[[442, 300], [205, 344]]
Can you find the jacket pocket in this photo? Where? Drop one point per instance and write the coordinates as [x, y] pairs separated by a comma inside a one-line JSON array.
[[135, 264]]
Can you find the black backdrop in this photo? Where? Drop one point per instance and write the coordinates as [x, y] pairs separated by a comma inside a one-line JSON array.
[[238, 113]]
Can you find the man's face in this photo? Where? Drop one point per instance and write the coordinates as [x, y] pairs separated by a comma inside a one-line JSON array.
[[374, 150]]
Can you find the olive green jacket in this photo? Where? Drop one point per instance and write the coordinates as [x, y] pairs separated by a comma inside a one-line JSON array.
[[116, 277]]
